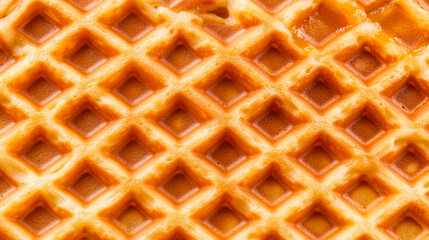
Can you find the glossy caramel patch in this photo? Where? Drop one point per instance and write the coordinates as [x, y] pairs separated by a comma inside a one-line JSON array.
[[224, 221], [40, 28], [87, 123], [322, 25], [226, 155], [179, 187], [42, 91], [87, 187], [40, 155], [40, 220]]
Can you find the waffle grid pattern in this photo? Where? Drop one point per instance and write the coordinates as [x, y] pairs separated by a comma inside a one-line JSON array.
[[262, 119]]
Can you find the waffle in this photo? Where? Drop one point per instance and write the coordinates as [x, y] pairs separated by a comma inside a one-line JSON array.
[[214, 119]]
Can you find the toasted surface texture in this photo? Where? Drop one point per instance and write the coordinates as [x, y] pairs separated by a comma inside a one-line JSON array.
[[214, 119]]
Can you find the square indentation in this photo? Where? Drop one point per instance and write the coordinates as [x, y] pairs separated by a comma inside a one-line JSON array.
[[273, 61], [179, 122], [39, 29], [364, 130], [271, 190], [226, 92], [363, 195], [179, 187], [318, 160], [40, 154], [322, 25], [84, 5], [409, 165], [409, 98], [42, 91], [39, 220], [6, 187], [133, 154], [5, 60], [181, 58], [221, 31], [272, 6], [407, 228], [131, 220], [87, 122], [224, 221], [226, 155], [87, 58], [87, 187], [396, 22], [365, 64], [319, 94], [132, 27], [132, 91], [273, 124], [317, 225]]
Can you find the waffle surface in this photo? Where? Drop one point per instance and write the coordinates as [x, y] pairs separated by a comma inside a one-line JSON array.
[[204, 119]]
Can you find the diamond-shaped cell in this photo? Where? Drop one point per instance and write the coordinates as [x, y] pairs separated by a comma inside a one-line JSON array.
[[227, 92], [223, 32], [407, 228], [132, 219], [39, 220], [6, 186], [365, 63], [319, 94], [322, 25], [40, 154], [317, 225], [363, 195], [226, 155], [224, 221], [42, 91], [318, 160], [409, 97], [179, 122], [398, 23], [133, 154], [181, 58], [132, 27], [271, 190], [272, 6], [84, 5], [132, 91], [87, 187], [179, 187], [87, 58], [272, 124], [87, 122], [273, 60], [364, 129], [6, 59], [40, 28], [410, 163]]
